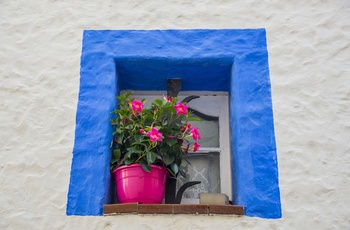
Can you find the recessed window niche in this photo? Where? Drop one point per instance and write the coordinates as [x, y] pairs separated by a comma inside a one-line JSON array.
[[231, 60]]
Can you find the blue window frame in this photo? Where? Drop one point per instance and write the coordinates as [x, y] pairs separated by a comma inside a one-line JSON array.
[[231, 60]]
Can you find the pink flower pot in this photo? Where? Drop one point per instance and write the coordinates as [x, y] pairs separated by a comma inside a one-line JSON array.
[[133, 184]]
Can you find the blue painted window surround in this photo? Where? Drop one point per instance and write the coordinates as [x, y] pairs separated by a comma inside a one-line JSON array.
[[232, 60]]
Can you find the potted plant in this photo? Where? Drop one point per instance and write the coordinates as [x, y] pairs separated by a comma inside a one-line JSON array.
[[149, 143]]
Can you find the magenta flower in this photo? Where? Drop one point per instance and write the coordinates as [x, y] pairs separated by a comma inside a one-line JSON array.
[[195, 133], [196, 146], [185, 127], [142, 131], [167, 99], [181, 108], [136, 106], [154, 135]]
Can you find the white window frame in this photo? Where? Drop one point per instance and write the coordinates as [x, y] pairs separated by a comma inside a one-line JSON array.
[[222, 104]]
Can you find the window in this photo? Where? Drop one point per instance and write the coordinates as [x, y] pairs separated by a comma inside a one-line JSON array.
[[212, 163], [230, 60]]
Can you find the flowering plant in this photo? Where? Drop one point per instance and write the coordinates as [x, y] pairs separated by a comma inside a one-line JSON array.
[[157, 134]]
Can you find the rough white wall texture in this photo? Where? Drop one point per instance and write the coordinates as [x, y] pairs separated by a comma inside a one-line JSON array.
[[309, 55]]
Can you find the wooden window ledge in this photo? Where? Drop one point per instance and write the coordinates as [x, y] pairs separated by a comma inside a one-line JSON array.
[[136, 208]]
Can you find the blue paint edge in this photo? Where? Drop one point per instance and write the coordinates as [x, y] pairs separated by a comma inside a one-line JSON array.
[[254, 156]]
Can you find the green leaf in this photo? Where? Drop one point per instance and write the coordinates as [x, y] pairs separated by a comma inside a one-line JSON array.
[[112, 167], [168, 159], [114, 122], [119, 138], [134, 150], [171, 142], [158, 102], [145, 166], [129, 161], [138, 146], [113, 161], [116, 154], [139, 138], [175, 168], [178, 161], [128, 154], [151, 157], [164, 150], [124, 97]]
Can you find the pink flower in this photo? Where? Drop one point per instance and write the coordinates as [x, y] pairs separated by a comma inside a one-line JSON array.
[[168, 99], [142, 131], [196, 146], [185, 127], [136, 106], [181, 108], [154, 135], [195, 133]]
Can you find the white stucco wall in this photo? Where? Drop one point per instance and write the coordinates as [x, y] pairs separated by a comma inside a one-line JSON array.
[[309, 55]]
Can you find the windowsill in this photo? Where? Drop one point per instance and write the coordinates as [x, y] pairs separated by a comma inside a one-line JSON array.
[[135, 208]]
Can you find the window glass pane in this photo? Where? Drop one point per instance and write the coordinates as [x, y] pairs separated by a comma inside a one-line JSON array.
[[205, 168], [209, 130]]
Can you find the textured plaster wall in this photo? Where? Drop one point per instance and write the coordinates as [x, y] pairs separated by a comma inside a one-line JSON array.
[[309, 48]]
